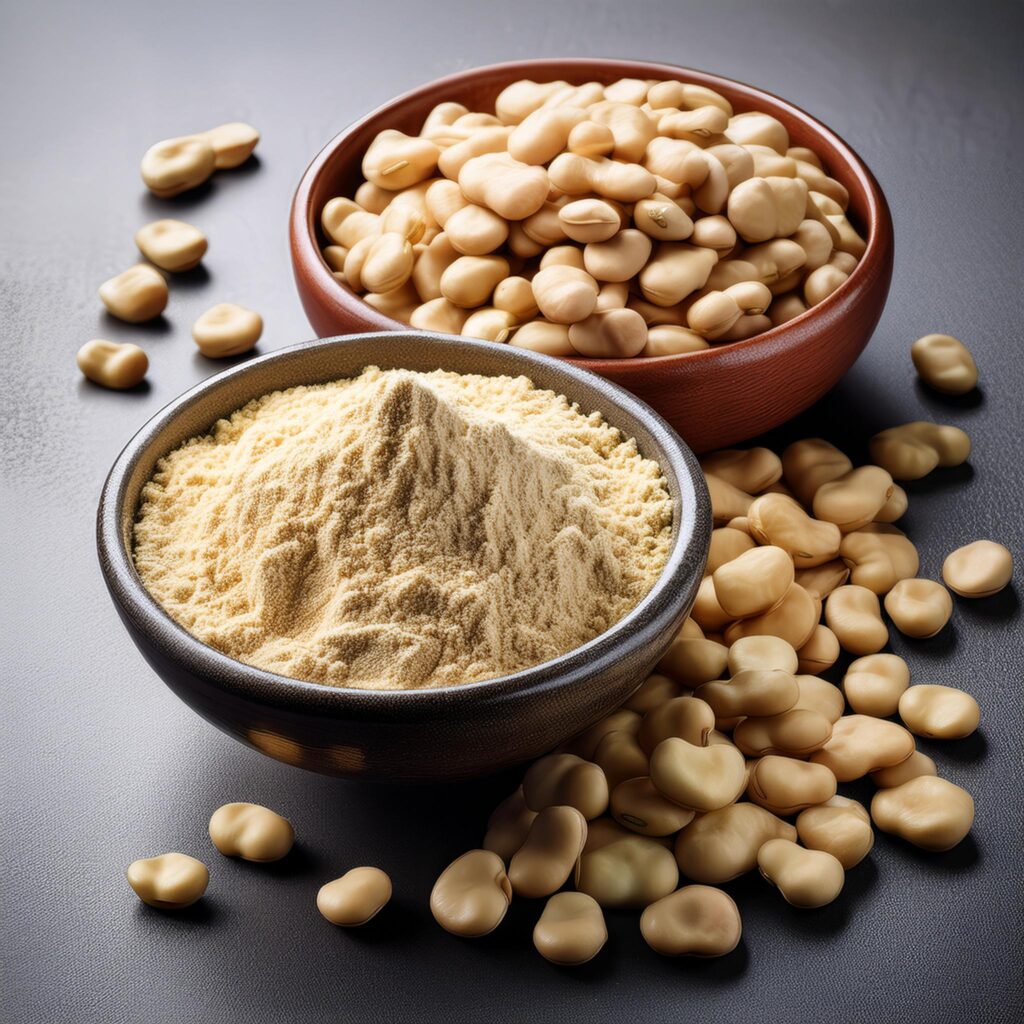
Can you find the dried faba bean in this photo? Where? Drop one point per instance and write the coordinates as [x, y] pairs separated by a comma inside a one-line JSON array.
[[176, 165], [564, 779], [618, 259], [171, 881], [722, 845], [233, 143], [472, 895], [944, 364], [590, 139], [510, 188], [855, 616], [939, 712], [550, 853], [662, 219], [469, 281], [979, 569], [753, 691], [913, 450], [396, 161], [841, 827], [589, 220], [860, 744], [439, 315], [543, 336], [854, 499], [571, 929], [927, 811], [585, 743], [879, 556], [620, 868], [113, 365], [543, 134], [809, 463], [762, 208], [793, 619], [684, 718], [638, 805], [671, 340], [355, 898], [779, 520], [716, 315], [675, 271], [579, 175], [508, 825], [388, 262], [794, 733], [786, 786], [821, 283], [608, 334], [820, 580], [171, 244], [754, 582], [657, 688], [489, 324], [874, 684], [820, 652], [692, 660], [621, 757], [697, 920], [805, 878], [726, 544], [135, 295], [916, 765], [699, 778], [919, 607], [251, 832], [752, 469], [565, 294], [227, 330], [819, 695], [727, 501]]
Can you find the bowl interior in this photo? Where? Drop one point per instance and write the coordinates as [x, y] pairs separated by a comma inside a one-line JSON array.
[[333, 358], [337, 170]]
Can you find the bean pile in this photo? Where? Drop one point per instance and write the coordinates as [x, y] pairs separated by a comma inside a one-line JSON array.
[[641, 218]]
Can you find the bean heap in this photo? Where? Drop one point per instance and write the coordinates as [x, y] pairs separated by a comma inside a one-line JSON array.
[[729, 758], [641, 218]]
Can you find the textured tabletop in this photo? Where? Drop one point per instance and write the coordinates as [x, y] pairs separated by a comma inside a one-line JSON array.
[[100, 763]]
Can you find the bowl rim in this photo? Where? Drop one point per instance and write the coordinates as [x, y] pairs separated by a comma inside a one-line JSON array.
[[691, 529], [304, 219]]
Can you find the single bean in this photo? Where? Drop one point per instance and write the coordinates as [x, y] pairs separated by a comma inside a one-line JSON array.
[[590, 139], [693, 660], [564, 779], [699, 125], [752, 469], [512, 189], [518, 100], [939, 712], [171, 244], [696, 920], [805, 878], [786, 786], [795, 733], [916, 765], [722, 845], [919, 607], [251, 832], [136, 295], [564, 294], [395, 161], [727, 500], [757, 129], [571, 929], [469, 281], [232, 143], [874, 684], [227, 330], [345, 223], [685, 96], [112, 365], [590, 220], [726, 544], [355, 898], [754, 582], [670, 340], [550, 852], [620, 258], [840, 827], [563, 256], [609, 334], [620, 868], [621, 757], [945, 364], [860, 744], [489, 324], [979, 569], [431, 264], [913, 450], [176, 165], [854, 499], [335, 256], [631, 128], [813, 237], [638, 805], [171, 881], [662, 218], [439, 315], [515, 296], [854, 615], [820, 580], [373, 198], [624, 182], [820, 652], [753, 691], [399, 303], [508, 825], [697, 777], [406, 221], [683, 717], [808, 464], [543, 134], [927, 811], [821, 283], [779, 520], [706, 611], [820, 696], [544, 226], [472, 895], [762, 208], [388, 263], [793, 619], [762, 652], [879, 556], [543, 336], [786, 308]]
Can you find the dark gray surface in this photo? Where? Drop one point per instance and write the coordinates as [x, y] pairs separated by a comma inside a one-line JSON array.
[[101, 764]]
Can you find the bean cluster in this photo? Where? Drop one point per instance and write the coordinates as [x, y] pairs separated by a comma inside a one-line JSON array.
[[640, 218]]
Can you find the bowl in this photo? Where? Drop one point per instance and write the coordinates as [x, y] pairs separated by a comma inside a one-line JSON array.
[[714, 397], [425, 735]]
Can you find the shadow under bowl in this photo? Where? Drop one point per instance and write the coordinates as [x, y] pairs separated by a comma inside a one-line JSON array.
[[714, 397], [412, 735]]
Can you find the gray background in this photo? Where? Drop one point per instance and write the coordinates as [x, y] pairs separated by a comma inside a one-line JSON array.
[[101, 764]]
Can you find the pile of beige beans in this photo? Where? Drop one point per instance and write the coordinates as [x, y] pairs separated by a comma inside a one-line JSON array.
[[641, 218], [141, 293]]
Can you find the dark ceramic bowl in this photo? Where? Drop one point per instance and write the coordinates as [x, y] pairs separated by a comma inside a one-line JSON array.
[[714, 397], [427, 735]]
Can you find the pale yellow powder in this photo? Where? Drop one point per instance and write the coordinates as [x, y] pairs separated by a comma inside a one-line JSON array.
[[403, 530]]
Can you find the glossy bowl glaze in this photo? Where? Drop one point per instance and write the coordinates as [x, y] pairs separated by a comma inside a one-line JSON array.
[[426, 735], [714, 397]]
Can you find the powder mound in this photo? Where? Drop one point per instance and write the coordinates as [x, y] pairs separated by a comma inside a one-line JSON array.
[[403, 530]]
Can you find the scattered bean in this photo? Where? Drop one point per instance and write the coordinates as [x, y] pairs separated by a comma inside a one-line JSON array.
[[874, 684], [251, 832], [571, 929], [860, 744], [550, 853], [113, 365], [136, 295], [355, 898], [927, 811], [564, 779], [638, 805], [620, 868], [939, 712], [232, 143], [840, 827], [786, 786], [945, 364], [979, 569], [171, 881], [472, 895], [854, 615], [697, 920], [176, 165], [805, 878], [171, 244], [227, 330], [919, 607]]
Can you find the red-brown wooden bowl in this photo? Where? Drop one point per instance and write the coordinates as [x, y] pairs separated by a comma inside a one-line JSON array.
[[713, 397]]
